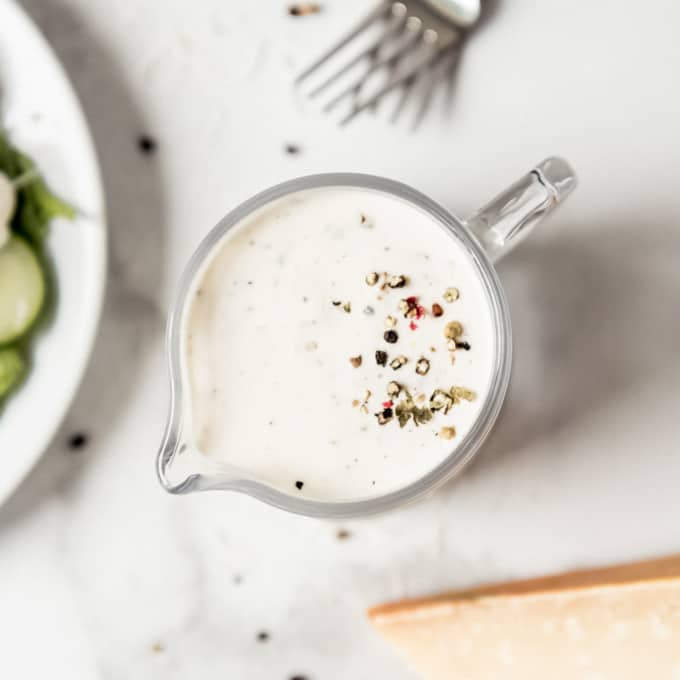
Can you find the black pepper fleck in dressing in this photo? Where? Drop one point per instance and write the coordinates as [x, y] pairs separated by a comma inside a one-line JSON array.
[[299, 485], [398, 281], [391, 336]]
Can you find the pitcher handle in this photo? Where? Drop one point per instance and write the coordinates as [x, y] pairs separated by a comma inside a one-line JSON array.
[[506, 220]]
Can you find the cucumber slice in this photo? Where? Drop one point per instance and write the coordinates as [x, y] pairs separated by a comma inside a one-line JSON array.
[[22, 288], [12, 367]]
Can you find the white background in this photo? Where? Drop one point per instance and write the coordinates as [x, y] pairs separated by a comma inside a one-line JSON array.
[[98, 565]]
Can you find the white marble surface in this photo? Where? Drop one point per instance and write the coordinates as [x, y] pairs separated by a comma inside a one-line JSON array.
[[104, 576]]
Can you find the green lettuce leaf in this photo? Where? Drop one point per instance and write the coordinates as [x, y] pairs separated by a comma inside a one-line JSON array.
[[12, 369], [36, 204]]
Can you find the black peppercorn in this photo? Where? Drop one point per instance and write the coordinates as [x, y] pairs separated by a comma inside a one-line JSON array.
[[79, 439], [391, 336], [146, 144], [381, 358]]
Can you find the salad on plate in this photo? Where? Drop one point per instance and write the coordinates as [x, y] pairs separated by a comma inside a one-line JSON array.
[[26, 208]]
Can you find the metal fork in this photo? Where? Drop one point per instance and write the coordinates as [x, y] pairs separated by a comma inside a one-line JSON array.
[[414, 38]]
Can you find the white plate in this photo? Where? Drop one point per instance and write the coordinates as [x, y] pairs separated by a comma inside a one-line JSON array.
[[40, 109]]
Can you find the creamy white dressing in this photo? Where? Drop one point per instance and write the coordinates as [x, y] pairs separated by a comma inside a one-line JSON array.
[[266, 353]]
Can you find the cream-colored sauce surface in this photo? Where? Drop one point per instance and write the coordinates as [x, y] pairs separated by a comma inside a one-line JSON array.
[[266, 353]]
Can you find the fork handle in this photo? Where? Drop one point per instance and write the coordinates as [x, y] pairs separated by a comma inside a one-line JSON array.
[[462, 13]]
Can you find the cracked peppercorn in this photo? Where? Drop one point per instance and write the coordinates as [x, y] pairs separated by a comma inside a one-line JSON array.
[[398, 281]]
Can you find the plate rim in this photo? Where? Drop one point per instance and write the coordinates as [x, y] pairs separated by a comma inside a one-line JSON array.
[[14, 475]]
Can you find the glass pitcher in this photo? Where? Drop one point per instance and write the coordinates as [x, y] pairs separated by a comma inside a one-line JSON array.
[[488, 235]]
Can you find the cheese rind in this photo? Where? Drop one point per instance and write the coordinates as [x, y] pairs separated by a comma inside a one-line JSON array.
[[619, 623]]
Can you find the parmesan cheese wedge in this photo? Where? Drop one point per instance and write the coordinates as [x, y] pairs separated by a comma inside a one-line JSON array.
[[618, 623]]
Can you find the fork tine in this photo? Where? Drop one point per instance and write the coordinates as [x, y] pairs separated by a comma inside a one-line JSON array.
[[411, 40], [406, 46], [438, 71], [373, 49], [408, 87], [395, 82], [374, 15], [434, 51]]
